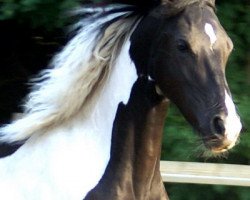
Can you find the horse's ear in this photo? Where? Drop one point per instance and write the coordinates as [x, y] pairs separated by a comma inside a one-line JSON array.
[[167, 8], [171, 7]]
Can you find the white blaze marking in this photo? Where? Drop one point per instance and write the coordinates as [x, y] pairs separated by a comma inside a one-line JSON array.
[[232, 123], [209, 30]]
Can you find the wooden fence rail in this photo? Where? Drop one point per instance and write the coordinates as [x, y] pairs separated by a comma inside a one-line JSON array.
[[205, 173]]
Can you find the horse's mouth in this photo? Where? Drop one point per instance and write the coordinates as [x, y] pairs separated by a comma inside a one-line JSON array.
[[217, 146], [218, 150]]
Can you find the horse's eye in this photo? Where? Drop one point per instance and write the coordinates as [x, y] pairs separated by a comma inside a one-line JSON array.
[[182, 45]]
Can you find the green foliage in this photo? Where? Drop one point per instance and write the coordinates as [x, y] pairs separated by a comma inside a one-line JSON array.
[[206, 192], [38, 13]]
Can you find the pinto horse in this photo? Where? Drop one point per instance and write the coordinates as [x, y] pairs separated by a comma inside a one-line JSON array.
[[92, 124]]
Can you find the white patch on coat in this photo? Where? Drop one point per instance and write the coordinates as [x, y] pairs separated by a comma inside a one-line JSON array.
[[232, 122], [209, 30]]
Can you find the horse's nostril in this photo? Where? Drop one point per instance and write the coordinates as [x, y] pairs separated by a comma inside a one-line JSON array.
[[218, 126]]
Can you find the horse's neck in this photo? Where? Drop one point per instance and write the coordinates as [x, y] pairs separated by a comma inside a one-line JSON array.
[[68, 161], [133, 171]]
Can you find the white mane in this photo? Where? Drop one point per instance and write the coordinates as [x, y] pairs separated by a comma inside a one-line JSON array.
[[74, 110], [77, 75]]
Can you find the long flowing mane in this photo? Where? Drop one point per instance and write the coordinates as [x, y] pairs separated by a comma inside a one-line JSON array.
[[77, 74]]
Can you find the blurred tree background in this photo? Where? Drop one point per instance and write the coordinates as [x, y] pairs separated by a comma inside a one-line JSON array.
[[31, 31]]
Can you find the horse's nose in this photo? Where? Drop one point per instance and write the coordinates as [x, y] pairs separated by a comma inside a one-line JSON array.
[[225, 132], [218, 126]]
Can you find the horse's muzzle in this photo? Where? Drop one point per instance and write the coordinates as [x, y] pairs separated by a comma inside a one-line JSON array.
[[225, 133]]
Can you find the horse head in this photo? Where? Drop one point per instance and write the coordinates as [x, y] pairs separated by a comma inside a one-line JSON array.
[[185, 51]]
